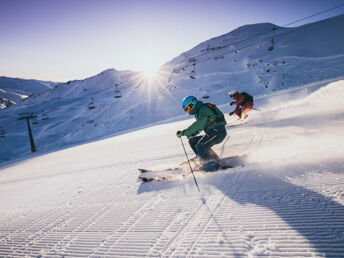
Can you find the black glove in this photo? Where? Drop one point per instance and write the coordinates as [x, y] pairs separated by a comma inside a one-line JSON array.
[[179, 134], [231, 113], [232, 103]]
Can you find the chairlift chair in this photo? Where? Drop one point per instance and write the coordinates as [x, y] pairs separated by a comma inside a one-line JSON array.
[[2, 133], [34, 121], [91, 104], [117, 92], [45, 116]]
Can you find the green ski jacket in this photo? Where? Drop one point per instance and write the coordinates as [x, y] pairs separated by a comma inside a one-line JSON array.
[[207, 117]]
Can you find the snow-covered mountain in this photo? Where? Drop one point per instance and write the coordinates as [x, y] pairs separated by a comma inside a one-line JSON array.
[[287, 200], [260, 58], [14, 90]]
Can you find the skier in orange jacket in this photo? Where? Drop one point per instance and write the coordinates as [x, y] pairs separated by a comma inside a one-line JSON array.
[[244, 102]]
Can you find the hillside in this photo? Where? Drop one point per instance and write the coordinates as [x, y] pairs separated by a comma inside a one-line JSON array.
[[14, 90], [286, 201], [114, 102]]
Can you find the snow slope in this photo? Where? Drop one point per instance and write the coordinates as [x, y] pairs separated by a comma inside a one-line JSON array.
[[287, 201], [14, 90], [240, 60], [79, 195]]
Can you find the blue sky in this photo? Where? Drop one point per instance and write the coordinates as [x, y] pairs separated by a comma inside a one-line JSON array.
[[74, 39]]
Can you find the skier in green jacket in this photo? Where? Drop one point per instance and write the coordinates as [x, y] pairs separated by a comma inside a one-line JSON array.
[[208, 119]]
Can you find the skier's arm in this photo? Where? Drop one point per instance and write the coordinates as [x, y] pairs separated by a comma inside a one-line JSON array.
[[197, 126], [240, 99]]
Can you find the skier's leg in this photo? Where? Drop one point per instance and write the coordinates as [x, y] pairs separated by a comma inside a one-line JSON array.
[[219, 134], [212, 137], [213, 154], [246, 108], [193, 142], [203, 146], [237, 111], [195, 160]]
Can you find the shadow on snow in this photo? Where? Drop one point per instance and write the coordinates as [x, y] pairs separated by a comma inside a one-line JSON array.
[[316, 217]]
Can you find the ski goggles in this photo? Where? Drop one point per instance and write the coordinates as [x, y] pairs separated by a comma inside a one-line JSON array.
[[189, 107]]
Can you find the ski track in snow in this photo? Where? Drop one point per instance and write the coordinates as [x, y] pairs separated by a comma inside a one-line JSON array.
[[86, 201]]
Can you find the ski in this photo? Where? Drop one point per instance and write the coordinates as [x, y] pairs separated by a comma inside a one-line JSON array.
[[170, 174], [143, 170], [147, 175], [237, 123]]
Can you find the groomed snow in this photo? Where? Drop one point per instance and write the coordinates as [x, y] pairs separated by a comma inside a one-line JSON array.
[[288, 201]]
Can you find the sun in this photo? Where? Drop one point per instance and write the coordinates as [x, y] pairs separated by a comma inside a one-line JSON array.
[[149, 72]]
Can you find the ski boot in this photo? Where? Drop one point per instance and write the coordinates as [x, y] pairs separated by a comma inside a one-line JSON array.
[[211, 166]]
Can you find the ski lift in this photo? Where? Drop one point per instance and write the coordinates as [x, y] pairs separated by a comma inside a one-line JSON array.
[[34, 121], [44, 115], [206, 95], [2, 133], [192, 74], [91, 104], [117, 92], [27, 116]]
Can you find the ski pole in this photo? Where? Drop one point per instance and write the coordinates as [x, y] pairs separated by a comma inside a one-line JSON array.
[[190, 165], [256, 109]]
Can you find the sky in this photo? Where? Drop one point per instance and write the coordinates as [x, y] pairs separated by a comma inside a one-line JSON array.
[[62, 40]]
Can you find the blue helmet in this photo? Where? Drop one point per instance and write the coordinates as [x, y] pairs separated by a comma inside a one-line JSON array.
[[189, 103]]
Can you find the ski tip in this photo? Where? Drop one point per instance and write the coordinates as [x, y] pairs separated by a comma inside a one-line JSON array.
[[144, 179], [142, 170]]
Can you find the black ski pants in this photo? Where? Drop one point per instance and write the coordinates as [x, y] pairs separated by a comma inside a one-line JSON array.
[[201, 145]]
